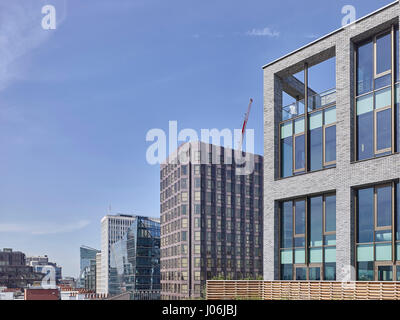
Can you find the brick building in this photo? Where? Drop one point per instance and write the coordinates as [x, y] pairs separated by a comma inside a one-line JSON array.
[[331, 164], [211, 220]]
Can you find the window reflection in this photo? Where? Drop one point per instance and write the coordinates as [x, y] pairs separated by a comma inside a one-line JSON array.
[[135, 259], [384, 206], [365, 68], [300, 217], [316, 257], [374, 247], [383, 53], [375, 82], [315, 141]]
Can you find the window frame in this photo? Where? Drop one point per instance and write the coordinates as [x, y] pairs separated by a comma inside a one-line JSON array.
[[316, 265], [376, 227], [324, 232], [307, 155], [394, 185], [375, 38], [303, 169], [310, 114], [324, 162], [394, 44], [299, 235], [389, 149], [298, 266], [384, 264], [306, 236]]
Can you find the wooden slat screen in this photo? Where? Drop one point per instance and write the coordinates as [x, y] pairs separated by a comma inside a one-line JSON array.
[[302, 290]]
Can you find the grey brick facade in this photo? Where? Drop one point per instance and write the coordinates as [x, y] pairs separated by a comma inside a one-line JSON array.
[[348, 173]]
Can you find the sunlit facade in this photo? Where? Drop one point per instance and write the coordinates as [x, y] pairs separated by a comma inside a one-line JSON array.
[[113, 229], [332, 143], [211, 219], [87, 267], [135, 260]]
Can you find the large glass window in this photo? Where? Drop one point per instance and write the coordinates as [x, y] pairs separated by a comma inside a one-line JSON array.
[[287, 225], [300, 217], [376, 249], [365, 217], [322, 142], [383, 130], [376, 113], [329, 136], [316, 221], [384, 207], [308, 119], [299, 146], [365, 63], [308, 253], [365, 127], [286, 150], [383, 54], [315, 124]]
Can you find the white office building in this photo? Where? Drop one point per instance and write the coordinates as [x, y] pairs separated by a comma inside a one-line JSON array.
[[99, 286], [113, 228]]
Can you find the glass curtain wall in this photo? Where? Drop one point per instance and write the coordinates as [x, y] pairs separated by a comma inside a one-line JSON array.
[[135, 259]]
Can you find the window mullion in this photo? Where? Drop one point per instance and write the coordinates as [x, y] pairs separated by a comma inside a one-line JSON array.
[[393, 51], [393, 221], [306, 244], [306, 117]]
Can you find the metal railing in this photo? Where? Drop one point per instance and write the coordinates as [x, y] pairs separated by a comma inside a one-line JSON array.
[[315, 101], [302, 290]]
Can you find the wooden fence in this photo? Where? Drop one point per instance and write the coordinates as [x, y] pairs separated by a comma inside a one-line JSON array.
[[301, 290]]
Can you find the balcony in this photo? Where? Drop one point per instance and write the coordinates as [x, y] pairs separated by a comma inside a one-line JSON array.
[[315, 102]]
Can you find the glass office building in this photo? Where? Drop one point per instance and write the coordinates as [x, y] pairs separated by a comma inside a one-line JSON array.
[[135, 260], [87, 258]]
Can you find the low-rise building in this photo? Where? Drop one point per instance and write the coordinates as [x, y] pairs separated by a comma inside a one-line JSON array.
[[42, 294], [14, 273]]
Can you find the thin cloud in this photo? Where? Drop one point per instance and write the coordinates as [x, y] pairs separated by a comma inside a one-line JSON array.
[[266, 32], [20, 33], [44, 229]]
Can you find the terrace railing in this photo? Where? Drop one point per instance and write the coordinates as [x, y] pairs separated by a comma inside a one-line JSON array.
[[315, 102]]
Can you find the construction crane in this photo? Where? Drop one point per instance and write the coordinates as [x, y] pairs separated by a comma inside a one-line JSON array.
[[246, 118]]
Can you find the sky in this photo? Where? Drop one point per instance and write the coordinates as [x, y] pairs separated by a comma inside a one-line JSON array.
[[77, 102]]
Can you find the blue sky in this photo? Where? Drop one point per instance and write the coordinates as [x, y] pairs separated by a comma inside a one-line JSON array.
[[76, 102]]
